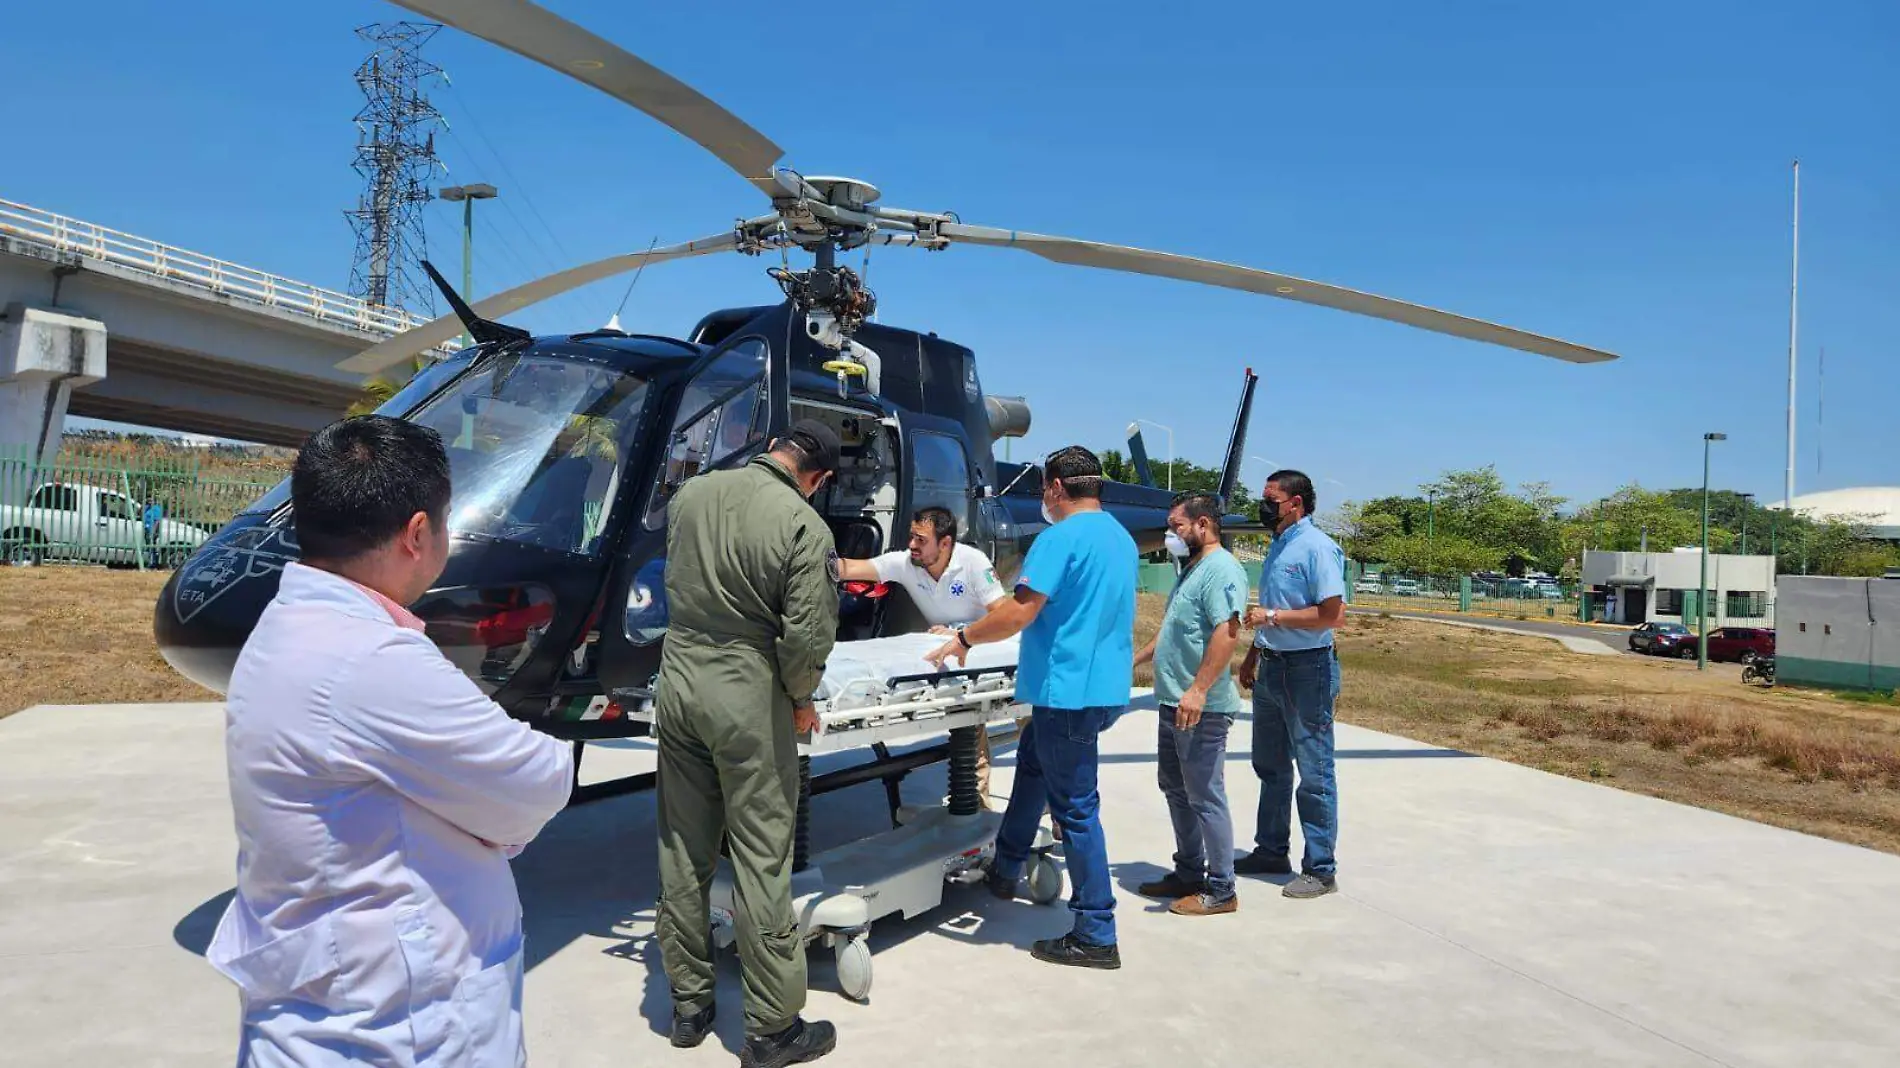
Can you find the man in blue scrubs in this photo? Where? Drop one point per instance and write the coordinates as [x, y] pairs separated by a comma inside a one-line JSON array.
[[1075, 607], [1293, 671]]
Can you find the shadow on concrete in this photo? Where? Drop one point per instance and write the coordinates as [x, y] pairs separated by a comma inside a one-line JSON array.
[[1399, 754], [193, 933], [594, 872]]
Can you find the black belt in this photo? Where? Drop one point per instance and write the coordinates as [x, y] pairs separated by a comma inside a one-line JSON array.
[[1275, 654]]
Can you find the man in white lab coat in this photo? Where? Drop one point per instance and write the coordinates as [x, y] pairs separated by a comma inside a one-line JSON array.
[[378, 793]]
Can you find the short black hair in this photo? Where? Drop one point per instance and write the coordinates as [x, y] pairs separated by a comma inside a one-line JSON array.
[[1077, 469], [1198, 504], [1296, 484], [942, 523], [358, 481]]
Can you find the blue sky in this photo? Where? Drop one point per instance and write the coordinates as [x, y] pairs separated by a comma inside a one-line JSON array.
[[1616, 175]]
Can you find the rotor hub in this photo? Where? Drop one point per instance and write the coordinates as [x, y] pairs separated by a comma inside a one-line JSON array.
[[851, 194]]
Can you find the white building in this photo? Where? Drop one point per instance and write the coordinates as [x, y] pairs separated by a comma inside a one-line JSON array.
[[1877, 506], [1662, 587], [1842, 633]]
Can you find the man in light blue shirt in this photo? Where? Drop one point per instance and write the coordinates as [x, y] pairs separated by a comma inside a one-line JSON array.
[[1075, 607], [1293, 671], [1198, 702]]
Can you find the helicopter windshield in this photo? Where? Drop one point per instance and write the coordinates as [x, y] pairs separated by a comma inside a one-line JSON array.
[[534, 448]]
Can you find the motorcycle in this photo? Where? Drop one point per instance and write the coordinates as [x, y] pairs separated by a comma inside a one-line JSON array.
[[1760, 670]]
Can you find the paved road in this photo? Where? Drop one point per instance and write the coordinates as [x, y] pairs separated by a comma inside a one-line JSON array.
[[1616, 638]]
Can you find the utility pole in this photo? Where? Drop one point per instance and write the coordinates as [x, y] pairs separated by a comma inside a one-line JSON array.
[[1702, 594], [1794, 293], [1748, 500]]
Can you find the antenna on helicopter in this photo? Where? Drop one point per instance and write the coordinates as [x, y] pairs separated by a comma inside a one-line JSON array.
[[482, 330]]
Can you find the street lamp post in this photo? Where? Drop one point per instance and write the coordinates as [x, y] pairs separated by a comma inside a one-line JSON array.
[[1748, 501], [1702, 594], [468, 195], [1134, 428]]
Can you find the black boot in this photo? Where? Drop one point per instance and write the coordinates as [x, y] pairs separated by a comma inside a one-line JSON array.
[[796, 1044], [690, 1031]]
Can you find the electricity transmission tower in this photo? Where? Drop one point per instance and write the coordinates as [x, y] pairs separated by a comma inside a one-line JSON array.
[[395, 154]]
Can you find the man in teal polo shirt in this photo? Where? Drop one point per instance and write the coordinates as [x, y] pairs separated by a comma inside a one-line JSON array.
[[1194, 686], [1293, 671], [1075, 607]]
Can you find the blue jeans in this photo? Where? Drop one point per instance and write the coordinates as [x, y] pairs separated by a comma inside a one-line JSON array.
[[1193, 774], [1055, 766], [1293, 724]]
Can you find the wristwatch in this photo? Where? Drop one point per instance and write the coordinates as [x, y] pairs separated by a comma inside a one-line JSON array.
[[963, 641], [1273, 617]]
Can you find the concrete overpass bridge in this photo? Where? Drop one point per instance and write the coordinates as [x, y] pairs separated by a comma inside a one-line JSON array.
[[103, 324]]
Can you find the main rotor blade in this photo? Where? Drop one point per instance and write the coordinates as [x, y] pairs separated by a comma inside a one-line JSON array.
[[1208, 272], [552, 41], [391, 351]]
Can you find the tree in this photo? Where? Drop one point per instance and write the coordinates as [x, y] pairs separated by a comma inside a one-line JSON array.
[[377, 391], [1445, 554], [1360, 531]]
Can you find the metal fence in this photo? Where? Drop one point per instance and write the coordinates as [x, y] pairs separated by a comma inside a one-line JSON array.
[[1513, 599], [152, 511]]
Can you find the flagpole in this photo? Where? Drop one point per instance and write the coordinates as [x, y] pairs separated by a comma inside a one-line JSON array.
[[1794, 291]]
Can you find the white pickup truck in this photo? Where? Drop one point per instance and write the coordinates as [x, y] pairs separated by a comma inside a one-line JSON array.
[[89, 524]]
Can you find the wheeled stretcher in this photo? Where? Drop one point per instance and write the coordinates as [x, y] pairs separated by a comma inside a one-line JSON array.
[[875, 694]]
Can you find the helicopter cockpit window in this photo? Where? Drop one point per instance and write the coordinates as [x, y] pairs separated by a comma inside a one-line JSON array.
[[534, 448], [425, 381], [721, 416]]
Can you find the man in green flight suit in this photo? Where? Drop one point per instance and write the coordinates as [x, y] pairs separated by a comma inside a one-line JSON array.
[[751, 587]]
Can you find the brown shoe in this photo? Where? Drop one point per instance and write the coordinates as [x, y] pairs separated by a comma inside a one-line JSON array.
[[1205, 905]]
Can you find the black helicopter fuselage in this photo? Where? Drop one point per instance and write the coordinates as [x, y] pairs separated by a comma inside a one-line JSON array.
[[565, 451]]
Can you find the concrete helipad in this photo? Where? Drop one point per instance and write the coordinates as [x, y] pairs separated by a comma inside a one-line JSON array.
[[1489, 914]]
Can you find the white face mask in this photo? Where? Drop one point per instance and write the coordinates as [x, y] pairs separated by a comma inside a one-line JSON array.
[[1175, 544], [1046, 517]]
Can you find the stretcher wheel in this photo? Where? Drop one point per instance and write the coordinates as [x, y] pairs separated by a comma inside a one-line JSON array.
[[1045, 880], [854, 967]]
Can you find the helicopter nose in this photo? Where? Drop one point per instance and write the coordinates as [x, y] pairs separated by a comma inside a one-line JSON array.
[[213, 600]]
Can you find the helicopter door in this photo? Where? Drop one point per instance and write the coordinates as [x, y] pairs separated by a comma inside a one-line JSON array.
[[724, 417]]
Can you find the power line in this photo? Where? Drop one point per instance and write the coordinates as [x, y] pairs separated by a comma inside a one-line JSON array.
[[533, 268], [475, 123]]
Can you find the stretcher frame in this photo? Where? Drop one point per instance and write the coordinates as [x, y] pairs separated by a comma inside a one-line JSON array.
[[839, 893]]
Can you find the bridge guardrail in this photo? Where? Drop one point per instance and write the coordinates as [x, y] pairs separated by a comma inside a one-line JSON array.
[[146, 256]]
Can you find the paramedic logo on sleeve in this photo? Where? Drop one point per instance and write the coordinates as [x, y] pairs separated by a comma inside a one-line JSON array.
[[964, 593]]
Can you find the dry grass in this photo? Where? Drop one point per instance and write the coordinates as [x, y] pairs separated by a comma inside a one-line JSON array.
[[76, 635], [1803, 760]]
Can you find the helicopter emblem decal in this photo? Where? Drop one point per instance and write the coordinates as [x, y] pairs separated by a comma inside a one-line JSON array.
[[249, 554]]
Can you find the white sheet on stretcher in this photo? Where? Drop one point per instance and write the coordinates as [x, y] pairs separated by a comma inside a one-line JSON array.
[[856, 671]]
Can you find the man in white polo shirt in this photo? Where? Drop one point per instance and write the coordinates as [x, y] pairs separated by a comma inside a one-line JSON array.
[[951, 583]]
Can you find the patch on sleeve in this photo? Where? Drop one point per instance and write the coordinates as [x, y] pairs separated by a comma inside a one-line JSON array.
[[832, 567]]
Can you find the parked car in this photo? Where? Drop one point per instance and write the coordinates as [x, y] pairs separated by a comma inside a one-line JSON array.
[[1369, 584], [1663, 639], [1741, 644], [90, 524], [1405, 587]]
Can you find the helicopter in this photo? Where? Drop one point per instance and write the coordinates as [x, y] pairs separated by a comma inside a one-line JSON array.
[[565, 449]]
